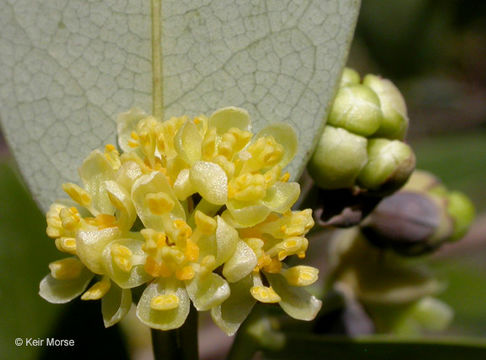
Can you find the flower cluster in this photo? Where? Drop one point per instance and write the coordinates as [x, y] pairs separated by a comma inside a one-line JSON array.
[[194, 211]]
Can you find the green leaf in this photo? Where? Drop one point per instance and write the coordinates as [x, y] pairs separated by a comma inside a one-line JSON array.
[[25, 251], [304, 346], [68, 69]]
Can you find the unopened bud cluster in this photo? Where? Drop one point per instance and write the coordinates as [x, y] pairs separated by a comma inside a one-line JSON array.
[[362, 143]]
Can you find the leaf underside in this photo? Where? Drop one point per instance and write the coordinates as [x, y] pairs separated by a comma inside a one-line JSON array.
[[68, 68]]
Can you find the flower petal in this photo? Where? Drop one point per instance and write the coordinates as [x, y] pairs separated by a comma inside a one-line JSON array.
[[281, 196], [90, 246], [230, 117], [296, 301], [62, 291], [245, 215], [182, 185], [210, 181], [115, 305], [226, 240], [240, 264], [136, 275], [154, 182], [95, 170], [285, 135], [126, 123], [121, 200], [207, 291], [188, 143], [232, 312], [163, 319]]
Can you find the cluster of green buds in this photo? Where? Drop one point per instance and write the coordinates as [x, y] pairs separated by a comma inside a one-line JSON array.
[[419, 218], [190, 211], [397, 295], [362, 143]]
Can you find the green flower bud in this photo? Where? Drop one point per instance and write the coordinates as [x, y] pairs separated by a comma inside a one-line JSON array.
[[431, 314], [349, 77], [461, 209], [356, 108], [394, 123], [389, 166], [338, 159]]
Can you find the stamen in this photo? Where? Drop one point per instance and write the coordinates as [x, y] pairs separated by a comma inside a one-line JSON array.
[[98, 290], [122, 257], [247, 187], [110, 148], [285, 177], [165, 302], [184, 231], [66, 269], [186, 273], [104, 221], [301, 275], [192, 251], [77, 193], [69, 218], [274, 266], [66, 244], [159, 203], [206, 224], [265, 294]]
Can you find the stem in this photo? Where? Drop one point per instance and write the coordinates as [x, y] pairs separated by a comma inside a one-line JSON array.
[[244, 345], [178, 344], [157, 95]]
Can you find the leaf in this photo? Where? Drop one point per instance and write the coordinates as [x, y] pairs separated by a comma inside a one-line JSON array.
[[68, 68], [25, 251], [304, 346]]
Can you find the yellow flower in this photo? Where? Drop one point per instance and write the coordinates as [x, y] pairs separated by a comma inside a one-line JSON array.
[[198, 210]]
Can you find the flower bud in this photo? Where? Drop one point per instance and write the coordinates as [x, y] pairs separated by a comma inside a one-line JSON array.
[[420, 218], [349, 77], [390, 163], [461, 209], [410, 223], [394, 123], [421, 180], [338, 159], [356, 108]]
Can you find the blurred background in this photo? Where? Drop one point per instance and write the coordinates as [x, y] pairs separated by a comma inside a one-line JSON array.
[[435, 52]]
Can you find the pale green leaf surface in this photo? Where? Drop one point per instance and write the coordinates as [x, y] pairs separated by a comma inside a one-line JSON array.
[[68, 68]]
